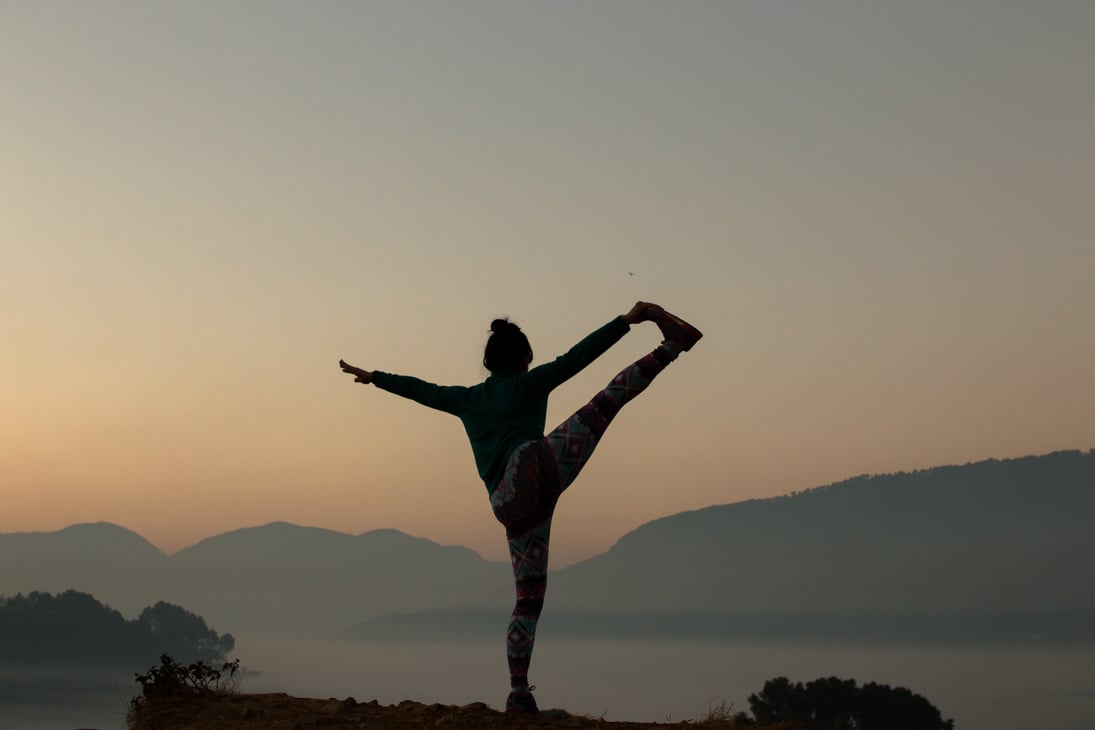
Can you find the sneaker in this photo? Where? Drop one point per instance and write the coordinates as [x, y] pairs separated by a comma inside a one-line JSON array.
[[521, 700], [674, 328]]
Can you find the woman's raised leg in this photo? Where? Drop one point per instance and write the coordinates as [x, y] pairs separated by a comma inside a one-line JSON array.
[[573, 441]]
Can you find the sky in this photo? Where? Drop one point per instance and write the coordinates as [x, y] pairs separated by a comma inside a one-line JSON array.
[[882, 216]]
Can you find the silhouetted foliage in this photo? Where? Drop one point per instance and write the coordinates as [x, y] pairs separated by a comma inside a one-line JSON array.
[[839, 704], [779, 700], [171, 679], [74, 628]]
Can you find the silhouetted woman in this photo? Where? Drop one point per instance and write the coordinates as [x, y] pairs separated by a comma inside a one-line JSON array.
[[525, 470]]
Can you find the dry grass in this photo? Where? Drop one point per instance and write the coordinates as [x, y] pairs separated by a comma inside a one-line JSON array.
[[720, 713]]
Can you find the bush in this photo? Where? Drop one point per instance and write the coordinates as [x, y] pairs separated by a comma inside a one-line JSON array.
[[199, 679], [838, 704]]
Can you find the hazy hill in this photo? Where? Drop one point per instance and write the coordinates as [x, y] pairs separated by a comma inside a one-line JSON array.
[[1002, 538], [99, 558], [282, 577]]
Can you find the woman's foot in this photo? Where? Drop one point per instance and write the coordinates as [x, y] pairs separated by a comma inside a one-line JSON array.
[[674, 329], [521, 700]]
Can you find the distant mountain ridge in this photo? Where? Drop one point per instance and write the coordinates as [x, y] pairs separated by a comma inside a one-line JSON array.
[[284, 577], [1012, 533], [1003, 543], [272, 579]]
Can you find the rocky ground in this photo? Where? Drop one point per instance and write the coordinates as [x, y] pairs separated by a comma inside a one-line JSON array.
[[283, 712]]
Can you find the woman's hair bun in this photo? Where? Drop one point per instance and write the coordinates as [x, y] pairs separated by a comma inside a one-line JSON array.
[[500, 325]]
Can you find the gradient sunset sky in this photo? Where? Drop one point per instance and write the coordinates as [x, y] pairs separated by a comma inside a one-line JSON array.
[[881, 214]]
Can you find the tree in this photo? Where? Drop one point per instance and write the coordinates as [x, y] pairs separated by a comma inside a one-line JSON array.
[[74, 628], [882, 707], [43, 628], [833, 703], [182, 634], [838, 704], [777, 702]]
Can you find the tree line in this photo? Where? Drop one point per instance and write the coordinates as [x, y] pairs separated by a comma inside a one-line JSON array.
[[74, 628]]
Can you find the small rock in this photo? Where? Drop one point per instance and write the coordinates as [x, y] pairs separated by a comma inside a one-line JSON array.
[[335, 707], [474, 707]]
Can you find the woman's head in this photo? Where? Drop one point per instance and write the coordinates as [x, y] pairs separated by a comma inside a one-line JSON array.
[[508, 350]]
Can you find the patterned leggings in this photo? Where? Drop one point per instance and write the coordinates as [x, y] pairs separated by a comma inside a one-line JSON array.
[[536, 474]]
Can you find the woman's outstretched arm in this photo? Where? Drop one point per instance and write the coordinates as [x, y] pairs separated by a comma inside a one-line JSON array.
[[551, 374], [442, 397]]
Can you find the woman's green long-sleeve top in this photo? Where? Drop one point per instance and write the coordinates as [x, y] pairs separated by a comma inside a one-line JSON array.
[[507, 409]]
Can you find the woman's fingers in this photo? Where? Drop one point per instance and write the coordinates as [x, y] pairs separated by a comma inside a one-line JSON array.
[[361, 375], [348, 368]]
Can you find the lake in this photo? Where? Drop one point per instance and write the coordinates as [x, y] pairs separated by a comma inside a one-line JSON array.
[[1010, 688]]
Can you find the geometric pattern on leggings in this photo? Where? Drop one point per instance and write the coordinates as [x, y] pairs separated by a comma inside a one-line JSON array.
[[574, 440], [534, 477], [529, 556]]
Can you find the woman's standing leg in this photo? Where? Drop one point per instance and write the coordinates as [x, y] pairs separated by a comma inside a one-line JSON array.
[[525, 499], [529, 555]]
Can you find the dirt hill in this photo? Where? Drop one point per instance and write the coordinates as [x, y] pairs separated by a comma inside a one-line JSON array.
[[264, 711]]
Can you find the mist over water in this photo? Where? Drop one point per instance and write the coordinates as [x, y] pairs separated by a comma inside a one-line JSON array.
[[980, 688], [60, 699]]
